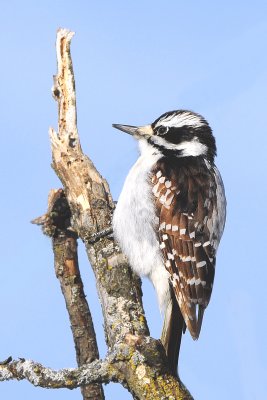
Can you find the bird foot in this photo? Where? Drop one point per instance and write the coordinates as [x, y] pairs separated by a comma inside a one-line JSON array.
[[108, 232]]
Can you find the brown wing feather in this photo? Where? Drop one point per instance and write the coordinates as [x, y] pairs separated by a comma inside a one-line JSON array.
[[184, 201]]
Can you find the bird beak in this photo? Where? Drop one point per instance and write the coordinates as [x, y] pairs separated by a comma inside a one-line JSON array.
[[137, 131]]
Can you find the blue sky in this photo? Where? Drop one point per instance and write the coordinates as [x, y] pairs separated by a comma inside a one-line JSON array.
[[133, 61]]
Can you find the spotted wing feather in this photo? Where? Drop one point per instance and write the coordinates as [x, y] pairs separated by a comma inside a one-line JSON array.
[[185, 203]]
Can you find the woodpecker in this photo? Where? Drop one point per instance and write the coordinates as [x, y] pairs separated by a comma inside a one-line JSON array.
[[170, 217]]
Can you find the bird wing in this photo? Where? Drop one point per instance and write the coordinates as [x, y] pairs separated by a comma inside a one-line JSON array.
[[185, 200]]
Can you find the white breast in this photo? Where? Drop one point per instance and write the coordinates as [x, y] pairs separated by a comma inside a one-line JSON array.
[[135, 223]]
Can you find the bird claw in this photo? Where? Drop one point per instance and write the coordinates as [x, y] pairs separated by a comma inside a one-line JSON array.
[[108, 232]]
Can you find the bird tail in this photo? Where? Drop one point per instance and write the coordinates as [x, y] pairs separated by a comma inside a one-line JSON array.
[[171, 336]]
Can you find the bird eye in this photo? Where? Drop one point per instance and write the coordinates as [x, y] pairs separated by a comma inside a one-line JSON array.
[[162, 130]]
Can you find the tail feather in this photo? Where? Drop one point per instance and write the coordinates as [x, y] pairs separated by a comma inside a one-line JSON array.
[[201, 310], [171, 336], [173, 328]]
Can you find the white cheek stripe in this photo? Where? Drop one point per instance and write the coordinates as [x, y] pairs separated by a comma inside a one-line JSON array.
[[193, 148], [188, 148]]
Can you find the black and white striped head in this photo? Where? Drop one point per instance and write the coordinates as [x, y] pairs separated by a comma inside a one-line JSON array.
[[182, 133]]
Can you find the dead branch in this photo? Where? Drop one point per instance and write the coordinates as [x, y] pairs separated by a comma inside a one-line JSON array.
[[91, 205], [149, 382], [56, 224], [38, 375]]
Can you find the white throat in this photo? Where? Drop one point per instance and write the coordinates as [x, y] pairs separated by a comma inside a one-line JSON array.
[[148, 150]]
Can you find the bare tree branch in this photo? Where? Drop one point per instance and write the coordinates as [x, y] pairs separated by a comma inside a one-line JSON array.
[[91, 205], [149, 382], [56, 224], [38, 375]]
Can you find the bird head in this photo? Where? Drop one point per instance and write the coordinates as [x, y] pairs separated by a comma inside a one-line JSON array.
[[182, 133]]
